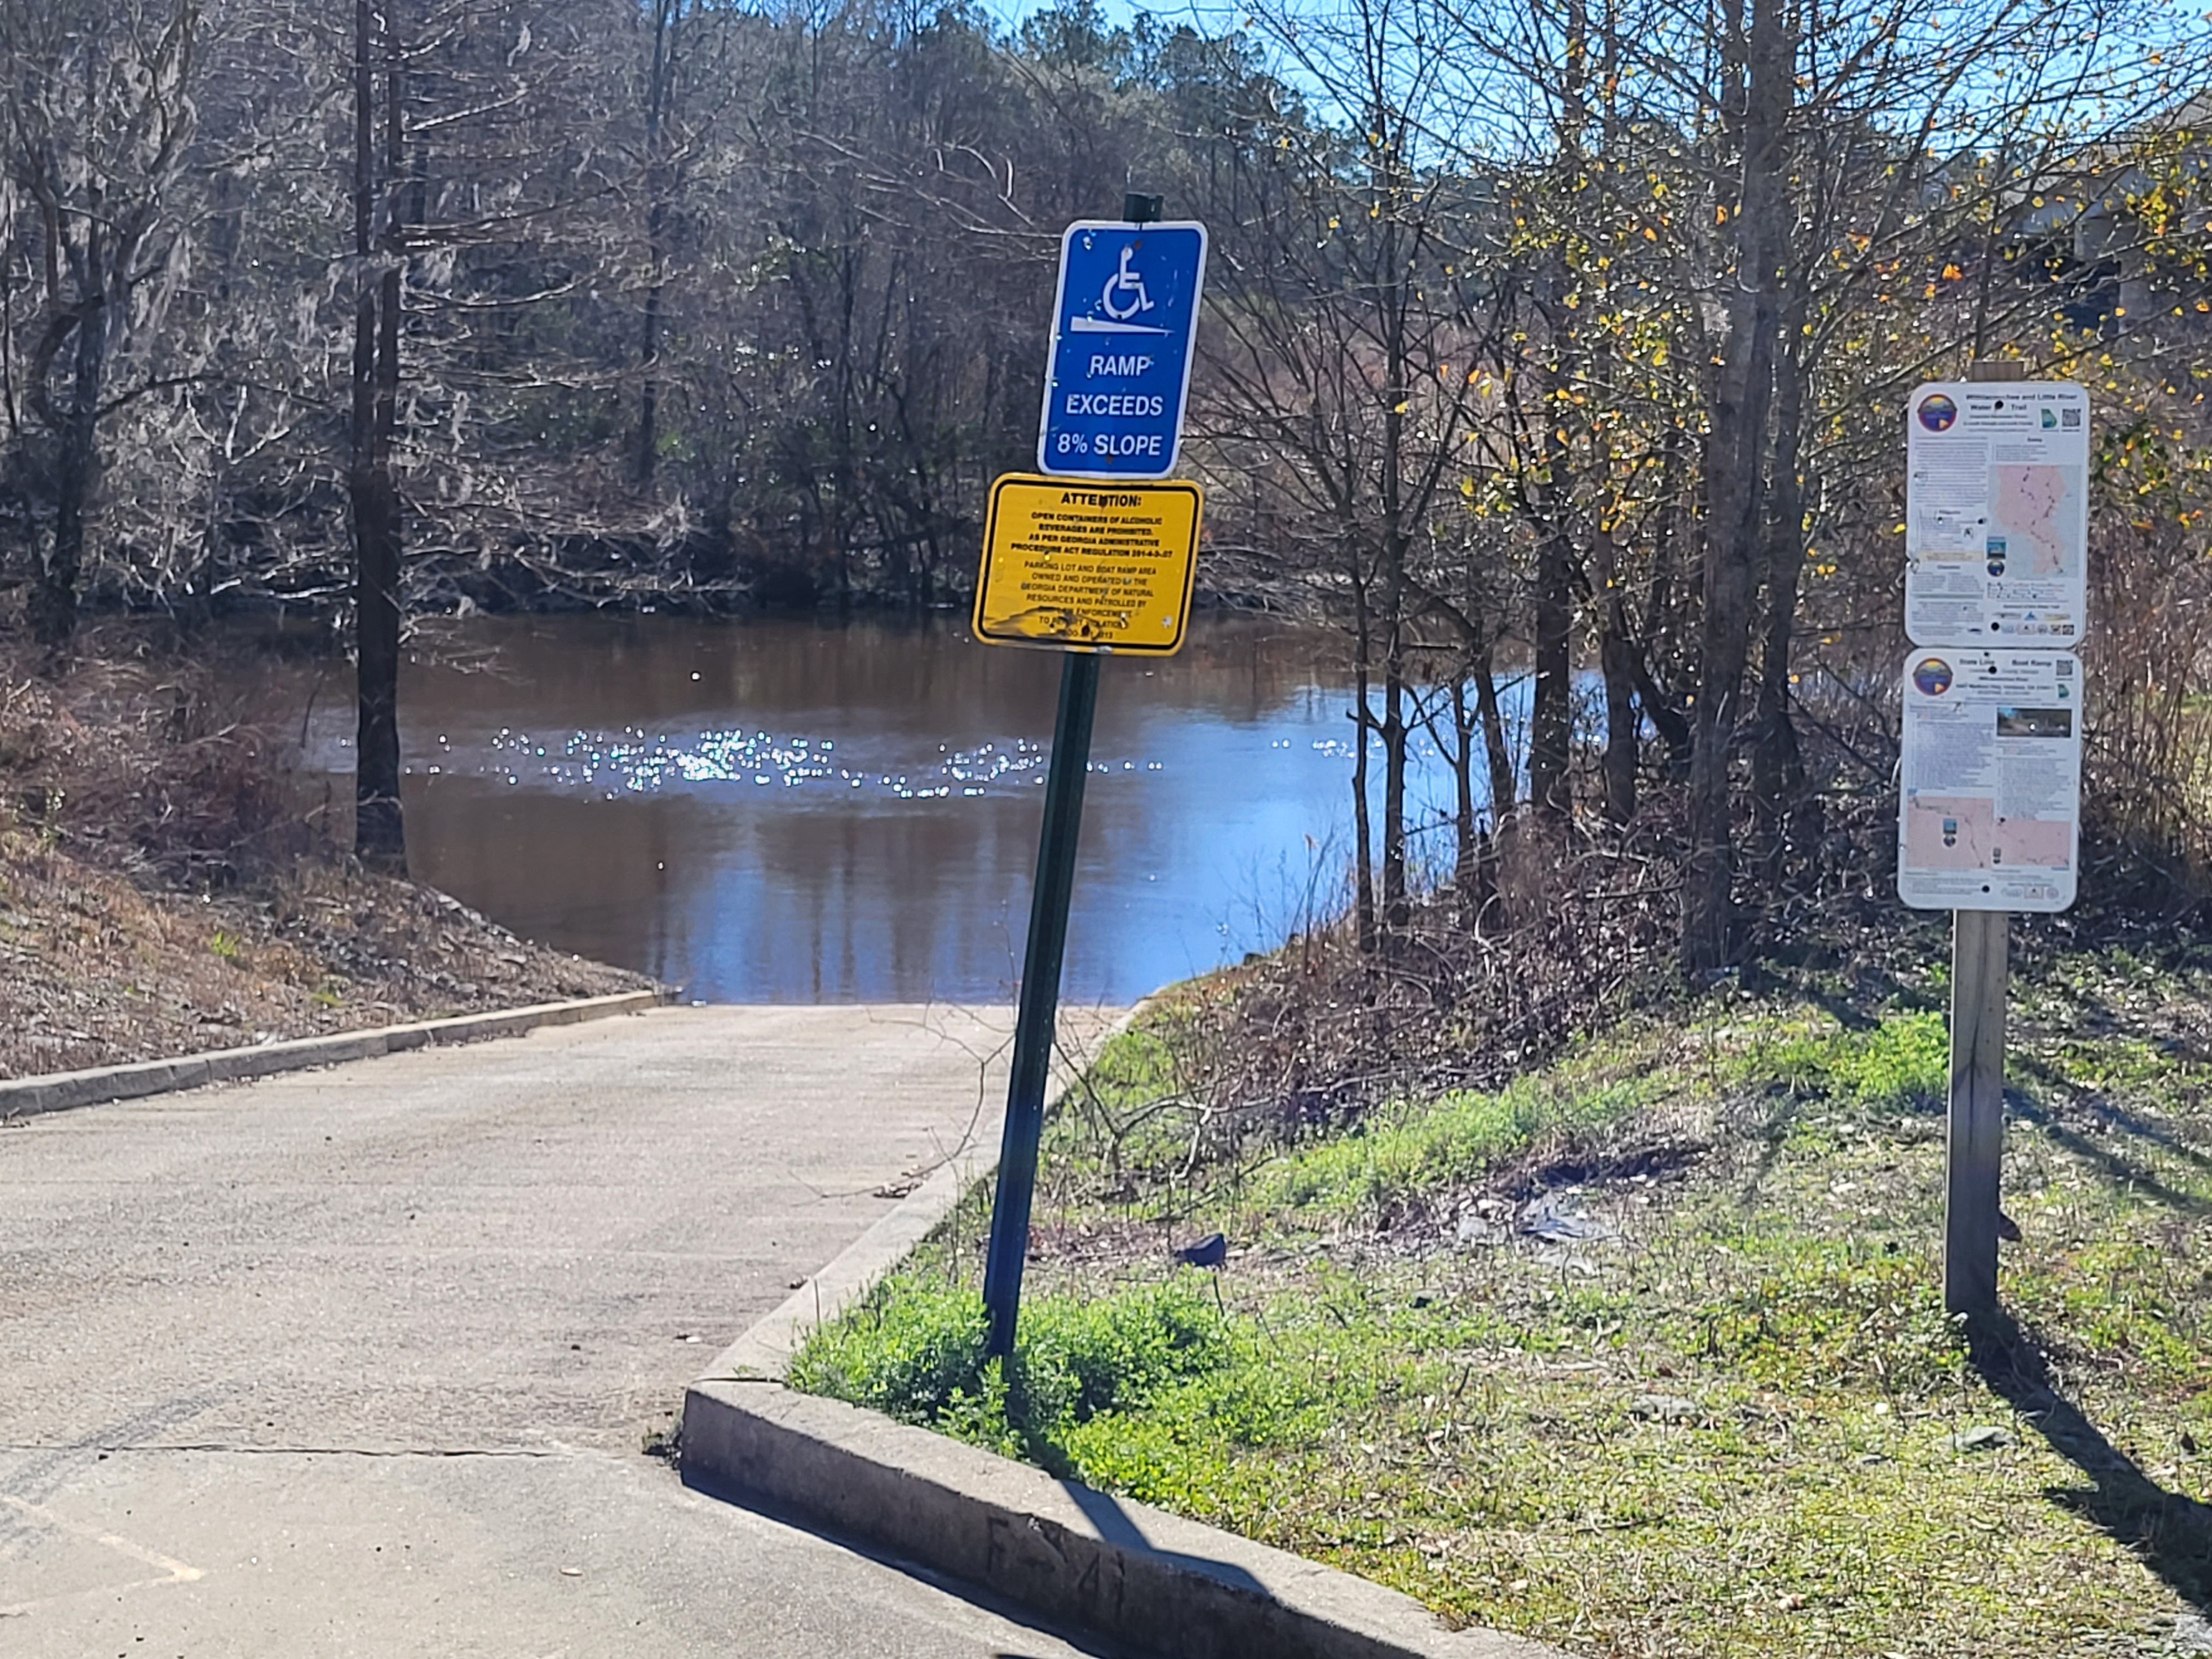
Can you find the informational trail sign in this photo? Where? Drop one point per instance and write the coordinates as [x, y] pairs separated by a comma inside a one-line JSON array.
[[1074, 564], [1991, 814], [1996, 521], [1123, 325], [1996, 598]]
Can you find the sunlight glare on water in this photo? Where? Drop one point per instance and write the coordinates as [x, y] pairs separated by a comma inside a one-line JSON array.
[[781, 809]]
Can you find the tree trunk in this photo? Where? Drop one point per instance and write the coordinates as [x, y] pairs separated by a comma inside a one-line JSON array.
[[1362, 850], [1662, 705], [53, 603], [1396, 909], [1497, 752], [1551, 707], [1498, 756], [648, 391], [1735, 474], [1778, 769], [1624, 727], [666, 15], [1623, 724], [379, 833], [1462, 765]]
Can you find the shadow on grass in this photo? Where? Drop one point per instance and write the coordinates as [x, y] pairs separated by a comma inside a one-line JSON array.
[[2170, 1532], [1846, 1012], [2125, 1170], [2096, 1105], [1104, 1511]]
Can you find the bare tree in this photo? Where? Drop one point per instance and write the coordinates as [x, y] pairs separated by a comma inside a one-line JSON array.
[[98, 114]]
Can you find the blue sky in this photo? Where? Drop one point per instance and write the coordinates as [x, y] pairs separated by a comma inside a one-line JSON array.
[[1208, 18]]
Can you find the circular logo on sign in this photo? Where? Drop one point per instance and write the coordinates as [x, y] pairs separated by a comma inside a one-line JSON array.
[[1937, 412], [1932, 675]]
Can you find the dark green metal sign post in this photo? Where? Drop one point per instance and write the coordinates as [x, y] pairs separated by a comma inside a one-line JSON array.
[[1040, 962], [1040, 999]]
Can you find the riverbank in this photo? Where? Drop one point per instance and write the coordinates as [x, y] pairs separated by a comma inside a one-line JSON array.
[[1643, 1350], [164, 891]]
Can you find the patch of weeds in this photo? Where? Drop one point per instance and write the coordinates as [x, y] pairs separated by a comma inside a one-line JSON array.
[[1902, 1064], [1809, 1311], [228, 946], [2135, 1065], [1588, 1105], [1407, 1151], [909, 1352], [1731, 1422], [916, 1352], [2124, 1297]]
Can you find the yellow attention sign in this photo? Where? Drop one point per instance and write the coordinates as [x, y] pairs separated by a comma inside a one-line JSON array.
[[1078, 565]]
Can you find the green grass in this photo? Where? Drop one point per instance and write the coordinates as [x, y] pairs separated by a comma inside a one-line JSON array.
[[1730, 1428], [920, 1356]]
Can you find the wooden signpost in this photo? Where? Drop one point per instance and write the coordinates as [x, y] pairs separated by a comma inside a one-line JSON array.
[[1975, 1150], [1996, 511]]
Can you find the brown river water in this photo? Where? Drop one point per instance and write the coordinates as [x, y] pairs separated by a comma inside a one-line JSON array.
[[788, 810]]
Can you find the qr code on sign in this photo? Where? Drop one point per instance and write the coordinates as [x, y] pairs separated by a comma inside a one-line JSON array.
[[2069, 417]]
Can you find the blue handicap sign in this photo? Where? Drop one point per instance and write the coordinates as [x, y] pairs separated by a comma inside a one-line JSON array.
[[1121, 336]]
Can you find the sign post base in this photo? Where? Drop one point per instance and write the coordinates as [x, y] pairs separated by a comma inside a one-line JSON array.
[[1980, 975], [1040, 998]]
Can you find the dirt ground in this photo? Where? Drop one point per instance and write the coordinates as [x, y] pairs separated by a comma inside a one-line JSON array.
[[163, 892]]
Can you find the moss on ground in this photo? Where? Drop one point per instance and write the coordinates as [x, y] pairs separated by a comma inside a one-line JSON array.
[[1645, 1353]]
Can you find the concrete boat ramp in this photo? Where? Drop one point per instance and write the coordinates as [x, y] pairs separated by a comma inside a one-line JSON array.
[[363, 1360]]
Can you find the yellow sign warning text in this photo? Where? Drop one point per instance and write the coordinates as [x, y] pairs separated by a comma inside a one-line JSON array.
[[1073, 564]]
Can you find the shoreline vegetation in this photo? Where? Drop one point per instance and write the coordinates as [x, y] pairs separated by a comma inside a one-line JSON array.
[[163, 893], [1588, 333]]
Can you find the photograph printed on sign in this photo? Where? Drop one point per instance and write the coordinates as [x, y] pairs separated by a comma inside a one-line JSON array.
[[1991, 809], [1997, 516]]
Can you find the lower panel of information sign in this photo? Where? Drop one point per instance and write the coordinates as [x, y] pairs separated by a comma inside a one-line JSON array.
[[1074, 564], [1990, 816]]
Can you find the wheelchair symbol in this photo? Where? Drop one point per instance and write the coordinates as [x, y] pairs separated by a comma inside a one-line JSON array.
[[1128, 284]]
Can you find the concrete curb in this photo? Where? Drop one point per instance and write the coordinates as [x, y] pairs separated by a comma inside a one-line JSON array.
[[1073, 1556], [763, 1353], [28, 1097]]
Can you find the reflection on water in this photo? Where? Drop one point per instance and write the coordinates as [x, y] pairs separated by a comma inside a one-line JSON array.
[[793, 811]]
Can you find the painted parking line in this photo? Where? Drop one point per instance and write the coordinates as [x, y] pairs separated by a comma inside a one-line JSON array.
[[172, 1571]]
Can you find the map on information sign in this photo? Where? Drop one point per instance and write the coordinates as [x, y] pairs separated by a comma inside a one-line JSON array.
[[1997, 516], [1989, 815], [2036, 518]]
